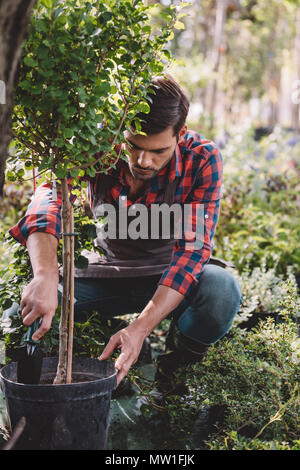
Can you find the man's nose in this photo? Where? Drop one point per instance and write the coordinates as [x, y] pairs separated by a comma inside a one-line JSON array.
[[144, 159]]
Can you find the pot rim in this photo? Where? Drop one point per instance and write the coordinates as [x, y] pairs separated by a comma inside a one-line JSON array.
[[64, 385]]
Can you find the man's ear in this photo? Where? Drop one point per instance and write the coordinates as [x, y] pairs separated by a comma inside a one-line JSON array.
[[182, 133]]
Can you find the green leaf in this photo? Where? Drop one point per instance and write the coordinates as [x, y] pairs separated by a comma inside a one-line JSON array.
[[47, 43], [20, 173], [67, 133], [93, 140], [143, 107], [25, 84], [167, 53], [81, 262], [10, 176], [60, 172], [103, 88], [47, 3], [28, 165], [179, 25], [146, 29], [156, 67], [74, 173], [30, 62]]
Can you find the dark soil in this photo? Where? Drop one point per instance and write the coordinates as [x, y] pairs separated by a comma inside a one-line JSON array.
[[77, 377]]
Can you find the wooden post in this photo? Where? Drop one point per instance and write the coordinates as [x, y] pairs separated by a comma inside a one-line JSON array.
[[64, 369], [71, 301]]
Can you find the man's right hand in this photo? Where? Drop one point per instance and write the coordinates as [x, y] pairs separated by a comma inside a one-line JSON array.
[[39, 300]]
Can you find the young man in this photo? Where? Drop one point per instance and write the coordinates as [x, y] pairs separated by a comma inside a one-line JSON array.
[[155, 276]]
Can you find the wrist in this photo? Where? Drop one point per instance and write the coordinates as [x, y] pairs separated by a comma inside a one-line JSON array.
[[141, 326], [49, 274]]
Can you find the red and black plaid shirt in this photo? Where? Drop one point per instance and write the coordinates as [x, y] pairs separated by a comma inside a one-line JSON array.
[[198, 165]]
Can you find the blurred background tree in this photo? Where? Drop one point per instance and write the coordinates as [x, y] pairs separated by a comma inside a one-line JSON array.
[[239, 61]]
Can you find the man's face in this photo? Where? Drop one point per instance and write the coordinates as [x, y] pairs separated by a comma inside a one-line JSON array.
[[148, 155]]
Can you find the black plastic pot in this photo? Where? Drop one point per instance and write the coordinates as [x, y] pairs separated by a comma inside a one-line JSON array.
[[62, 417]]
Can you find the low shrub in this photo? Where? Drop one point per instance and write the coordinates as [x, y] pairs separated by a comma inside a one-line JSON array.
[[250, 379]]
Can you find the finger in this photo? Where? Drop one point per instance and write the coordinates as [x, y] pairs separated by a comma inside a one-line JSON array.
[[122, 365], [25, 310], [30, 317], [121, 374], [24, 299], [22, 303], [45, 326], [109, 348], [121, 361]]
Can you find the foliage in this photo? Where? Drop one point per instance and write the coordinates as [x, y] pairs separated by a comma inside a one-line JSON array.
[[253, 377], [84, 76], [253, 374], [13, 207], [263, 292], [15, 275], [259, 214]]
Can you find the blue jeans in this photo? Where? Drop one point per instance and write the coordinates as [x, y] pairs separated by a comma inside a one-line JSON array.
[[205, 315]]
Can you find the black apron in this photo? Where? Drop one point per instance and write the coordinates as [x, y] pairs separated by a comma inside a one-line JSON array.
[[128, 257]]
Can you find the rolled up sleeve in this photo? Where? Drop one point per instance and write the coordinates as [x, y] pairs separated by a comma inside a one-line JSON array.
[[43, 215]]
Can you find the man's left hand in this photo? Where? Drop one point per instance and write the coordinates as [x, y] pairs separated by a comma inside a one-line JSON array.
[[130, 341]]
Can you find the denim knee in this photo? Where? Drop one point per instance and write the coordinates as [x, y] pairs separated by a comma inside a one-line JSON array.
[[216, 301]]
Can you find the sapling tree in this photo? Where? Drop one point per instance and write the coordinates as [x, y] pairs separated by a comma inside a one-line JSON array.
[[84, 77]]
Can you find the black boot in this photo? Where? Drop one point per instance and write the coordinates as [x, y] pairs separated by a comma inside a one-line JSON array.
[[180, 352]]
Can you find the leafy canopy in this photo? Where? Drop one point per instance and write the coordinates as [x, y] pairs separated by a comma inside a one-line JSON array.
[[85, 75]]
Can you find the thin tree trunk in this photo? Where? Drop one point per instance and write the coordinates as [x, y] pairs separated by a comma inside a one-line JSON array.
[[273, 73], [296, 104], [14, 20], [67, 225]]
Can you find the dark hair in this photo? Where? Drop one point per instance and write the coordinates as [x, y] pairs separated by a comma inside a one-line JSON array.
[[169, 107]]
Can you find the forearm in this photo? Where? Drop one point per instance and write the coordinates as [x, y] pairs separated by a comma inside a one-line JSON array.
[[42, 249], [39, 297], [164, 301]]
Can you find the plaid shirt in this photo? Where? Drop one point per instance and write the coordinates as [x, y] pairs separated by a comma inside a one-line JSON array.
[[198, 165]]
